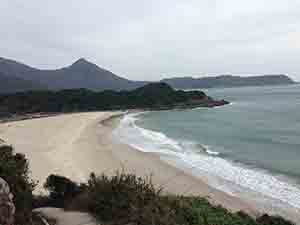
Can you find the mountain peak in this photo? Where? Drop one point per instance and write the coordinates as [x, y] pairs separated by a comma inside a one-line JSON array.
[[83, 65], [81, 61]]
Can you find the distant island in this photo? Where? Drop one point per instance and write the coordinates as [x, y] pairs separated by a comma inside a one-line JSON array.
[[153, 96], [227, 81], [18, 77]]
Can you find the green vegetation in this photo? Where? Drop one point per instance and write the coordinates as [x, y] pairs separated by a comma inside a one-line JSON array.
[[151, 96], [14, 169], [127, 199], [119, 199]]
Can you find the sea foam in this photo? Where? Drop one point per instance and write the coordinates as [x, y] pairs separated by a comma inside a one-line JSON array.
[[204, 161]]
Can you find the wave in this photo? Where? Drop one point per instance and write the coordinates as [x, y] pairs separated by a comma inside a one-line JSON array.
[[143, 139], [212, 152], [215, 107], [223, 174]]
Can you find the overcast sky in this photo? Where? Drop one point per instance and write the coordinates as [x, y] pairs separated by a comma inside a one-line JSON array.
[[154, 39]]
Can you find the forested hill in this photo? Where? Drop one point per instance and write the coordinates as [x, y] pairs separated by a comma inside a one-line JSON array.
[[150, 96]]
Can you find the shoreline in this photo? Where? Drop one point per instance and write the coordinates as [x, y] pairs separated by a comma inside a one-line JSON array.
[[240, 201], [74, 145], [174, 181]]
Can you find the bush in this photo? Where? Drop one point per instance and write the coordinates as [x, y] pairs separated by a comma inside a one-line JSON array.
[[61, 190], [14, 169], [127, 199], [272, 220]]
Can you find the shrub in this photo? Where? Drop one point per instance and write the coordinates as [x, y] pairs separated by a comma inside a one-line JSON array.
[[14, 169], [61, 189], [272, 220], [127, 199]]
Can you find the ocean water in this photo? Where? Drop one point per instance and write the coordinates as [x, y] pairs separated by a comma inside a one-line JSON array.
[[250, 148]]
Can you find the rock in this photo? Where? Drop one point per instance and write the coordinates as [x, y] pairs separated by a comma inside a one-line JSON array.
[[62, 217], [7, 207]]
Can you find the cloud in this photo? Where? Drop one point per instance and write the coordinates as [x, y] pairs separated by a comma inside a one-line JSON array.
[[143, 39]]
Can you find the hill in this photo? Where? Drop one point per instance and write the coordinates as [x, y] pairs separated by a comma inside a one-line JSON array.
[[227, 81], [13, 84], [16, 77], [81, 74], [151, 96]]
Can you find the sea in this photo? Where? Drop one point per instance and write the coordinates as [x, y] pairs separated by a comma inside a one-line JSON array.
[[249, 148]]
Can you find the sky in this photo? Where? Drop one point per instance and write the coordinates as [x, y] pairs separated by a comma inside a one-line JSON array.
[[155, 39]]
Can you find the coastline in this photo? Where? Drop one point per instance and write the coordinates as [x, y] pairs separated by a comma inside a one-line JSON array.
[[185, 182], [74, 145], [173, 180]]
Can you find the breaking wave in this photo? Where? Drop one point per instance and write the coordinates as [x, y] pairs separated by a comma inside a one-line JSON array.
[[203, 160]]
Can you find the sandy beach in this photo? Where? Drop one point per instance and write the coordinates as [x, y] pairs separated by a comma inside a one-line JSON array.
[[74, 145]]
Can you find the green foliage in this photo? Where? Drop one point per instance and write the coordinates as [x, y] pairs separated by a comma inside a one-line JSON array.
[[127, 199], [14, 169], [156, 95], [202, 212]]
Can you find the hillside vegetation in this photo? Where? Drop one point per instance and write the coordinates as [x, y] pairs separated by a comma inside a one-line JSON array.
[[128, 199], [121, 199], [150, 96]]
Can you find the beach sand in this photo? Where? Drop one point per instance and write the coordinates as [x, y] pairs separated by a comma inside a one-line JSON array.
[[74, 145]]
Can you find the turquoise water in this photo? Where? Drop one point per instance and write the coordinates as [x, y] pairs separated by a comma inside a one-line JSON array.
[[253, 144]]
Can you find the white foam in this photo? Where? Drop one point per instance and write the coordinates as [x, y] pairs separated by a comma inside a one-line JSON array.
[[258, 181], [143, 139], [210, 152]]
